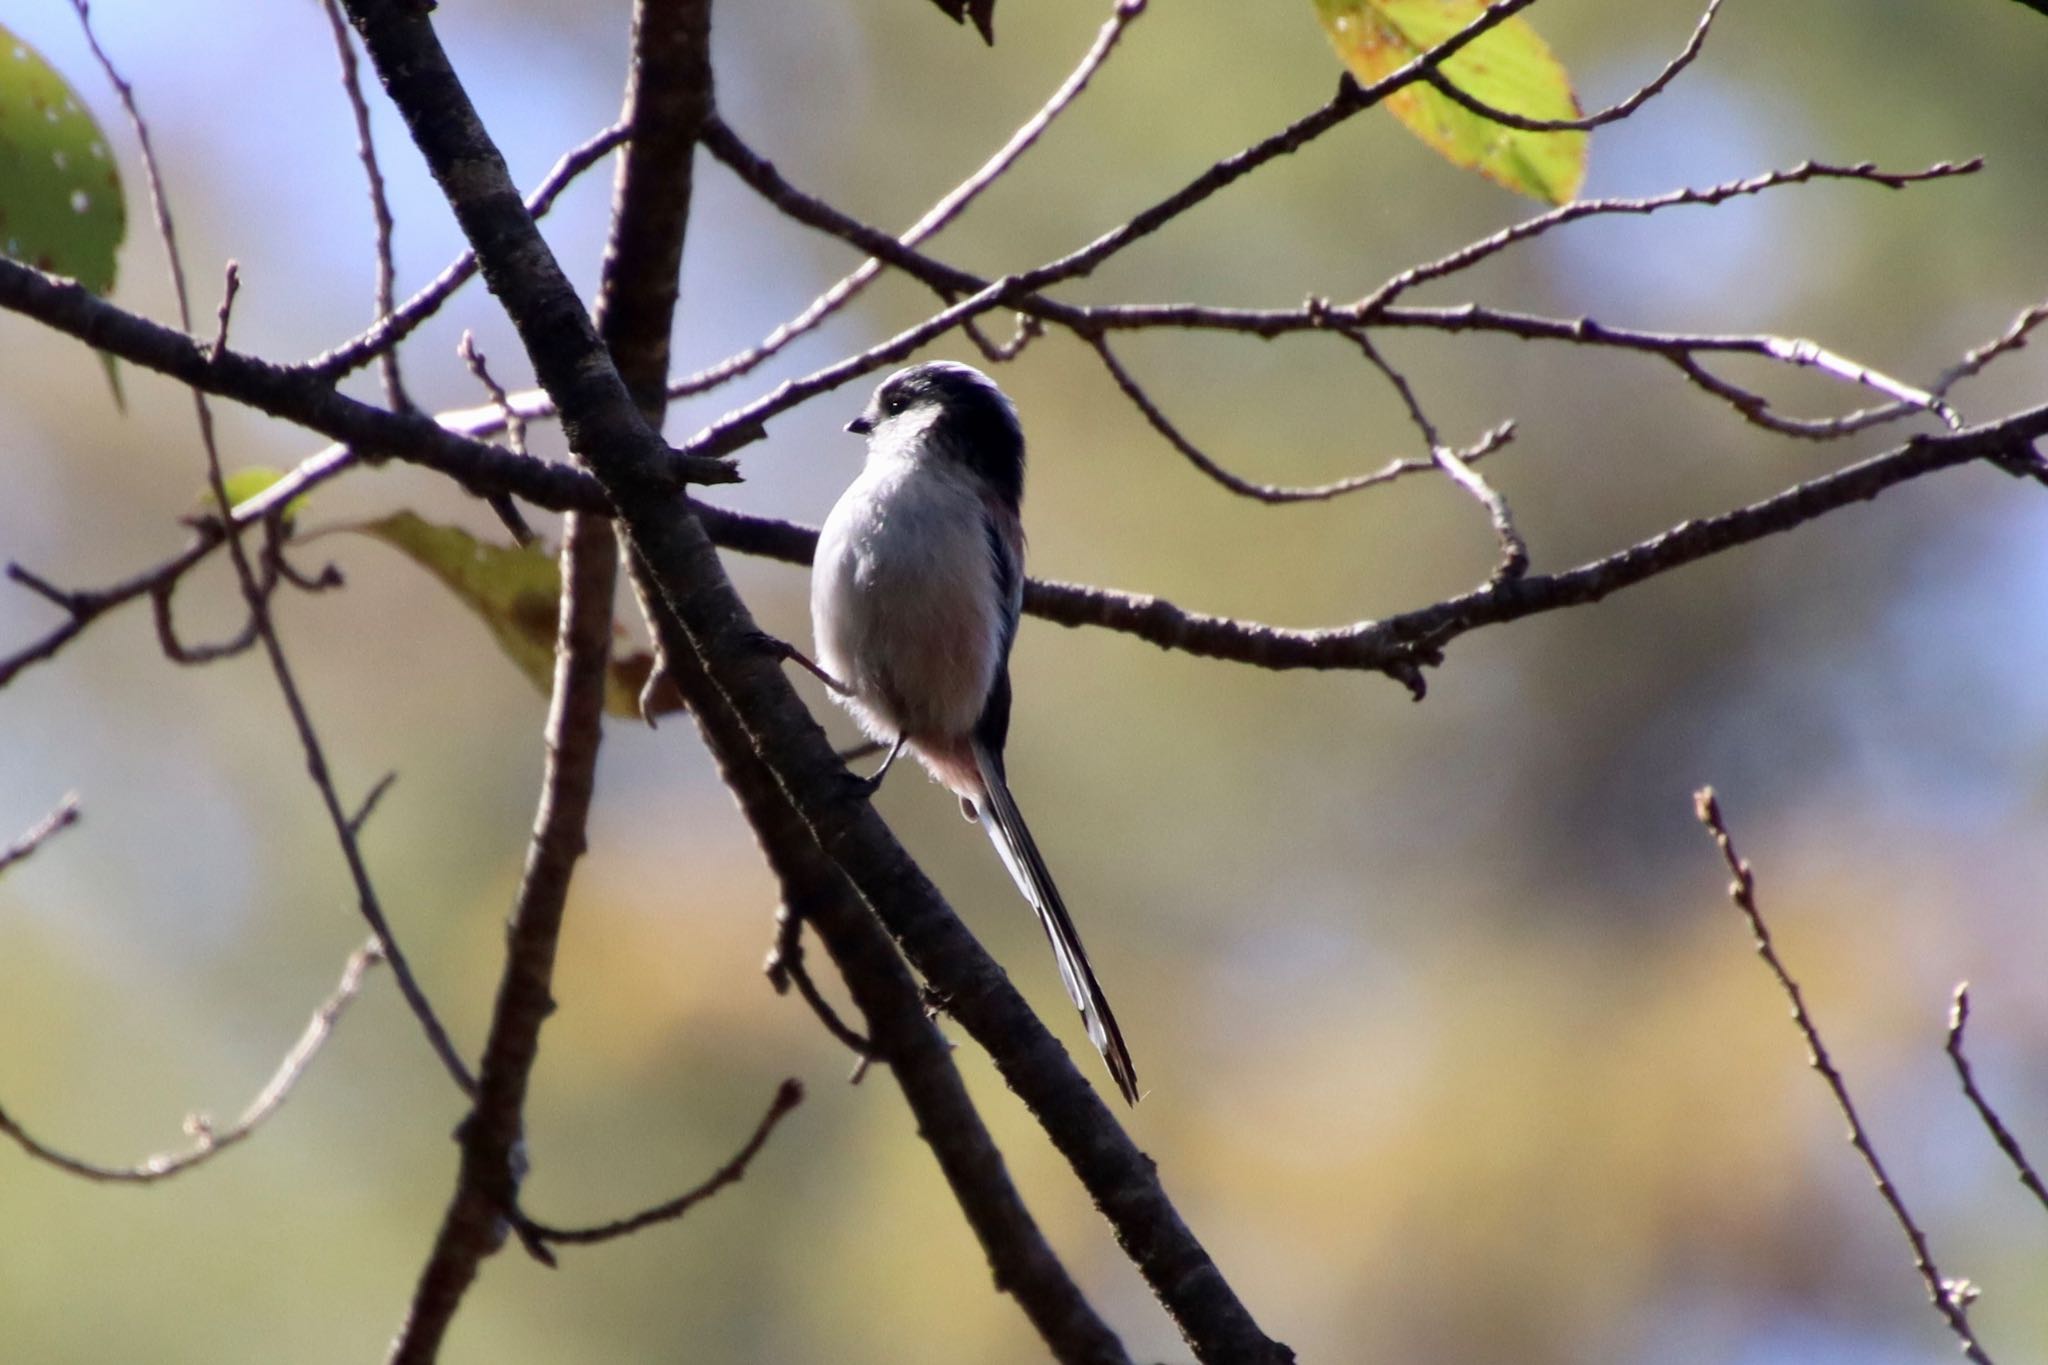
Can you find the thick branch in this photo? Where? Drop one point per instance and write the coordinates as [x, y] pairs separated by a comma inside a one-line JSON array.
[[666, 97], [306, 398], [773, 720], [815, 891], [486, 1191]]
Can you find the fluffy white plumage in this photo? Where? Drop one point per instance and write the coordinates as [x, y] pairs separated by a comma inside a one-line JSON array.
[[915, 594]]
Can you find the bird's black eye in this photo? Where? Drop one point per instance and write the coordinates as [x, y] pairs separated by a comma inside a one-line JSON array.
[[893, 403]]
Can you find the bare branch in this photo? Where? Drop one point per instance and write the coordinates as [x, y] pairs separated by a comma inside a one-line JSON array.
[[486, 1196], [788, 1096], [666, 100], [254, 593], [1271, 494], [57, 821], [1465, 257], [389, 331], [1514, 554], [1122, 14], [369, 803], [2012, 339], [1351, 99], [1613, 113], [305, 398], [209, 1142], [1958, 1020], [515, 425], [380, 204], [785, 966], [1948, 1296]]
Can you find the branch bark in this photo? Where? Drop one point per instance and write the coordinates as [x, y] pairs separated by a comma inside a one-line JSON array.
[[625, 456]]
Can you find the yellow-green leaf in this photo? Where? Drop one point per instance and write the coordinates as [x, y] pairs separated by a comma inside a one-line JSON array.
[[61, 207], [244, 484], [1509, 68], [516, 590]]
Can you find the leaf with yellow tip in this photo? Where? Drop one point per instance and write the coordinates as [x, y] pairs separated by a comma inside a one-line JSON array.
[[1507, 68]]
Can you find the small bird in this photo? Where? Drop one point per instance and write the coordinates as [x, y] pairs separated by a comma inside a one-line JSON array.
[[915, 594]]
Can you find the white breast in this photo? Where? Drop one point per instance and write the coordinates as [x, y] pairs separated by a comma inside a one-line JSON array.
[[904, 603]]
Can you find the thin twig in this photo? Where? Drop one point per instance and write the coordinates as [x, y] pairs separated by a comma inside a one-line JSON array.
[[1958, 1020], [788, 1096], [515, 425], [389, 331], [1947, 1296], [1514, 552], [2013, 338], [1465, 257], [58, 820], [785, 967], [253, 592], [949, 207], [208, 1141], [369, 802], [380, 203], [1271, 494], [1613, 113]]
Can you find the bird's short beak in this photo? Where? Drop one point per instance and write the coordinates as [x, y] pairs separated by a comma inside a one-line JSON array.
[[861, 425]]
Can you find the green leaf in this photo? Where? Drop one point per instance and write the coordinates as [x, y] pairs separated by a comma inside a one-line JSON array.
[[244, 484], [517, 590], [61, 207], [1509, 68]]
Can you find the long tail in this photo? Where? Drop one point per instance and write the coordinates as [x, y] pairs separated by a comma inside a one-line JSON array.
[[1012, 838]]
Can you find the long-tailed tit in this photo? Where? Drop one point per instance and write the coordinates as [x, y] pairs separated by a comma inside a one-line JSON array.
[[915, 594]]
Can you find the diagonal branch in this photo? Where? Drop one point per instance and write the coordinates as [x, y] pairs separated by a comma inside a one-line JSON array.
[[817, 892], [394, 328], [487, 1186], [253, 592], [949, 207], [772, 721], [309, 400], [664, 103], [1514, 552], [380, 203], [1948, 1296], [33, 838]]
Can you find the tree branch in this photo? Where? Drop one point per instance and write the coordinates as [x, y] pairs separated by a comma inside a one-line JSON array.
[[667, 93], [253, 592], [788, 1096], [773, 721], [207, 1141], [33, 838], [1949, 1297], [1958, 1020]]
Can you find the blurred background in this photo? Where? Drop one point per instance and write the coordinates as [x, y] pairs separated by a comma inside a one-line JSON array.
[[1455, 1049]]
